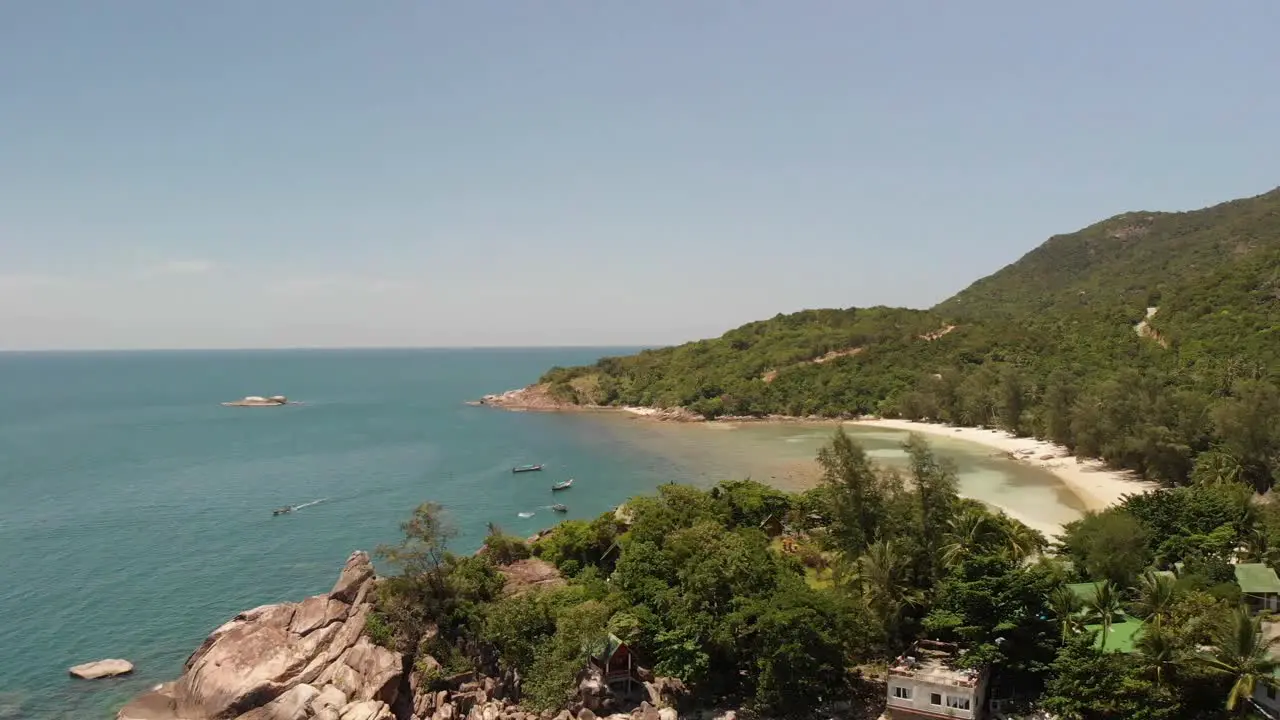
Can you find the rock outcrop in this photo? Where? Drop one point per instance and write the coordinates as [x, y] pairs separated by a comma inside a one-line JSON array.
[[529, 574], [312, 661], [102, 669], [292, 661]]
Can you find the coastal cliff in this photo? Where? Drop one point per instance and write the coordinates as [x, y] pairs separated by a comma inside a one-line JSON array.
[[314, 660]]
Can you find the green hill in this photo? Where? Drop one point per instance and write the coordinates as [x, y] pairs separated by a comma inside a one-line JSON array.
[[1058, 344]]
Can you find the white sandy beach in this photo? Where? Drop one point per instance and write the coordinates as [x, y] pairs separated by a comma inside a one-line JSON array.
[[1096, 485]]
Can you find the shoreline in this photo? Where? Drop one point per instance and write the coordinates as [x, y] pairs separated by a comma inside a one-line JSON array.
[[1090, 480], [1097, 485]]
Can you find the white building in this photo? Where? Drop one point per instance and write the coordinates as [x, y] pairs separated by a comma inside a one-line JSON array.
[[925, 683], [1266, 699]]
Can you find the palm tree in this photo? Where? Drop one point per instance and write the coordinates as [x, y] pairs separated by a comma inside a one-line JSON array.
[[968, 530], [1217, 467], [1066, 606], [1104, 605], [1242, 652], [880, 575], [1159, 651], [1022, 541], [1257, 546], [1156, 596]]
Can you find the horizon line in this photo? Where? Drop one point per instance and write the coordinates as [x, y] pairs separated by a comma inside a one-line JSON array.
[[346, 348]]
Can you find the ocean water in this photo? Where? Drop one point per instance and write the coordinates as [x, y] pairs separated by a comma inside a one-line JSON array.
[[135, 510]]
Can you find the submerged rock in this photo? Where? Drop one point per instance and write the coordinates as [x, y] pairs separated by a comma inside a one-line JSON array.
[[102, 669]]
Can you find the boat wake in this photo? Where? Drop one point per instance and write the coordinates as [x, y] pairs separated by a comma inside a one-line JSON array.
[[525, 514], [309, 504]]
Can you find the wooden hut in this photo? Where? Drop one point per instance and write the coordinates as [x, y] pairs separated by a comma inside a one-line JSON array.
[[615, 661]]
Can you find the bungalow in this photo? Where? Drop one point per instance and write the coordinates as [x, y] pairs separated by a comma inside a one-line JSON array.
[[614, 661], [1259, 586]]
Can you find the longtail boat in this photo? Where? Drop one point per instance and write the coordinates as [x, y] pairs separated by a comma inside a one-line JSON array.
[[526, 468]]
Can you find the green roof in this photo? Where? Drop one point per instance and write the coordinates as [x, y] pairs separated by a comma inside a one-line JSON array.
[[1123, 635], [1085, 590], [1257, 579], [604, 648]]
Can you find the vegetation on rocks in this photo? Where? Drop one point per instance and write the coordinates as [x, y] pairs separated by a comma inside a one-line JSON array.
[[1046, 346], [780, 601]]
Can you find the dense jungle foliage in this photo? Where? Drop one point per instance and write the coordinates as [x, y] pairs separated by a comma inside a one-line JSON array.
[[784, 602], [1057, 344]]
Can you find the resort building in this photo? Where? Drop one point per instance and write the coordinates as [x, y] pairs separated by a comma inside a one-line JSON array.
[[1259, 586], [925, 683]]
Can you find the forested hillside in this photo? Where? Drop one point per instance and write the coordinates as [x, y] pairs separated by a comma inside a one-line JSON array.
[[1058, 344]]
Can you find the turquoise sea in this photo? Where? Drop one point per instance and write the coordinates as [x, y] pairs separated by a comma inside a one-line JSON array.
[[135, 510]]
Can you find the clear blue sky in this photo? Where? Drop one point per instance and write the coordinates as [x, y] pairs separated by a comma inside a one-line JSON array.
[[325, 173]]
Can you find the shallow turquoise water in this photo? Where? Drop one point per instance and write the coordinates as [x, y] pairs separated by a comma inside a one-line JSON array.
[[135, 511]]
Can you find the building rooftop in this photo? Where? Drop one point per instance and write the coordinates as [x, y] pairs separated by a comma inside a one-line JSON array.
[[1123, 636], [1256, 579], [934, 662]]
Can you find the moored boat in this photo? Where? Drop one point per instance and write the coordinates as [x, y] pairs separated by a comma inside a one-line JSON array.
[[562, 485], [526, 468]]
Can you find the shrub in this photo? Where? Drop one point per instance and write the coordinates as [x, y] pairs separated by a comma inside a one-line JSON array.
[[379, 631]]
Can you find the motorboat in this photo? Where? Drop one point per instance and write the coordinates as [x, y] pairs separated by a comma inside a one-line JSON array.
[[526, 468], [562, 485], [258, 401], [282, 511], [559, 508]]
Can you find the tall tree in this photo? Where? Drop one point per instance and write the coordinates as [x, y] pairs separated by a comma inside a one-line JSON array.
[[857, 503], [1247, 425], [1104, 606], [934, 483], [1108, 545], [1013, 400], [968, 534], [1160, 652], [1066, 607], [1059, 395], [1242, 652], [1156, 597], [881, 577]]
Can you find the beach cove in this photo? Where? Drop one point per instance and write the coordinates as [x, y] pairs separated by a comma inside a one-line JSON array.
[[1033, 481]]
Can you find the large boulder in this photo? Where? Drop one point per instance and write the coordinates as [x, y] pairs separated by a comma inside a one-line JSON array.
[[102, 669], [292, 661], [522, 576]]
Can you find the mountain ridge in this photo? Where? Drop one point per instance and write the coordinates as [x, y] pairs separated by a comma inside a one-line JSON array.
[[1061, 343]]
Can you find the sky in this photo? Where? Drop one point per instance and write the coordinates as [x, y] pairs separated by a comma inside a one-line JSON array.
[[307, 173]]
